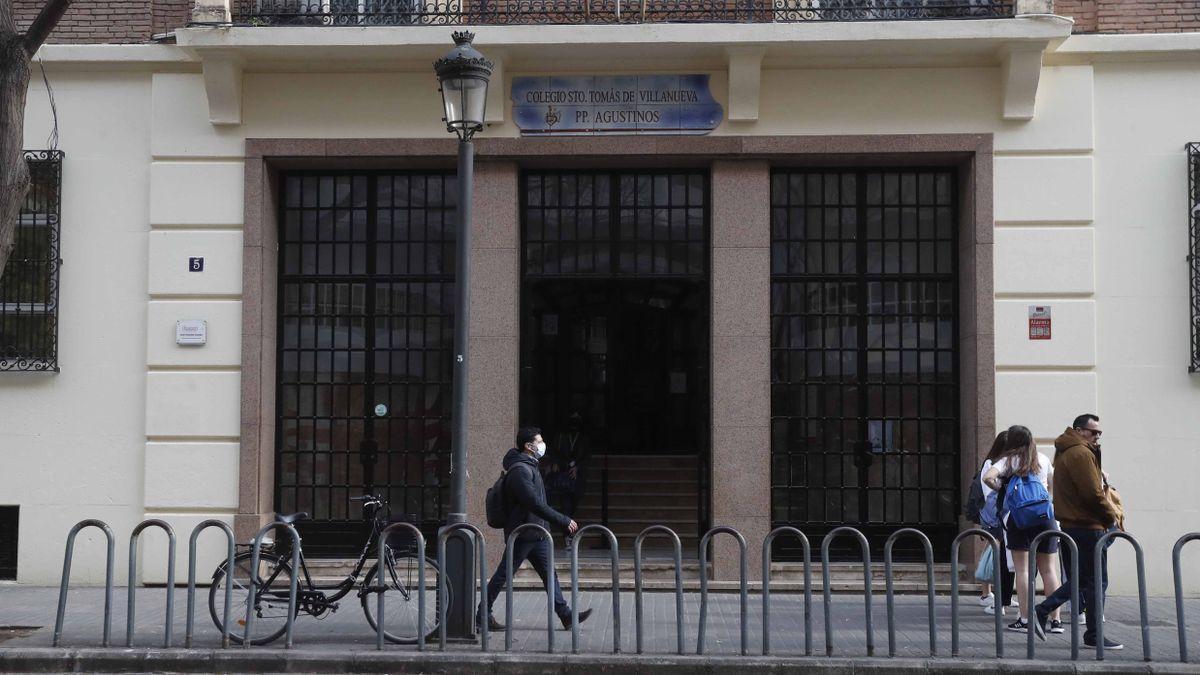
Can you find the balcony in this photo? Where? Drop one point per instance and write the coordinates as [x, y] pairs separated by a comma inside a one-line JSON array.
[[600, 12]]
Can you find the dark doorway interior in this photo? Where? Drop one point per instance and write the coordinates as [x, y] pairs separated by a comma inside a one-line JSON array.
[[615, 327]]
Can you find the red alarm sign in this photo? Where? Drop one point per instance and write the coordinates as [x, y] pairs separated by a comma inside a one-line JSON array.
[[1039, 322]]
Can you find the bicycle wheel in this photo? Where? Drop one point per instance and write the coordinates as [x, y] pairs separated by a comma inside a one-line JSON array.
[[401, 605], [270, 605]]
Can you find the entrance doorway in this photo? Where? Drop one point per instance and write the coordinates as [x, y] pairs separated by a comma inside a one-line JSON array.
[[365, 339], [864, 354], [615, 331]]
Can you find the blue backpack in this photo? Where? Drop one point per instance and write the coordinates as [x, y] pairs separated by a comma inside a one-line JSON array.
[[1027, 502], [989, 513]]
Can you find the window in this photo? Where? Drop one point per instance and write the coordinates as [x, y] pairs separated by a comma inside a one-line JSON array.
[[8, 542], [29, 285], [1193, 153]]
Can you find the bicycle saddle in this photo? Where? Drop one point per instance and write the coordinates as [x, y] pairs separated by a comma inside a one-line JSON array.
[[291, 518]]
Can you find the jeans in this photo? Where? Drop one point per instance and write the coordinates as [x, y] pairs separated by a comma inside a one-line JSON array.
[[537, 552], [1086, 541]]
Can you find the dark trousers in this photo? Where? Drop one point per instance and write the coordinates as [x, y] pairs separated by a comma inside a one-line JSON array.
[[537, 552], [1085, 541], [1008, 579]]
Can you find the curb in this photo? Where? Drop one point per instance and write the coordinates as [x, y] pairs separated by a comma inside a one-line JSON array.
[[116, 660]]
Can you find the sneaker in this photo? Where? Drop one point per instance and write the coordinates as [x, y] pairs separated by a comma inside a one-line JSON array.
[[1056, 627], [1040, 615], [1019, 626], [987, 600], [1015, 602], [1108, 644], [493, 624], [566, 619], [991, 609]]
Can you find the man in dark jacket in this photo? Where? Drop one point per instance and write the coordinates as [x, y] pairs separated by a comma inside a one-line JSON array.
[[1085, 511], [525, 498]]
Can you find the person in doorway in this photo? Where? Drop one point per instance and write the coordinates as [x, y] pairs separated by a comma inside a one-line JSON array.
[[1086, 511], [525, 500], [568, 460], [988, 598], [1022, 459]]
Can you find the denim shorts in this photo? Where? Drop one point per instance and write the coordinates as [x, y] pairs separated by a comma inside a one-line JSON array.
[[1019, 540]]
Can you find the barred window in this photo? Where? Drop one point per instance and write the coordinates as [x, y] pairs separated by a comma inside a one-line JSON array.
[[29, 284]]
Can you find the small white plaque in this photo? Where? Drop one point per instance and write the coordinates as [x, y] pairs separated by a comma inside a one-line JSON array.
[[380, 410], [191, 332]]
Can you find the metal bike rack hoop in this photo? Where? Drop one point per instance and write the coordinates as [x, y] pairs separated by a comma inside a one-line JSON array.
[[866, 560], [637, 582], [929, 589], [66, 577], [1098, 598], [443, 607], [768, 546], [381, 587], [743, 570], [615, 561], [1073, 581], [191, 585], [133, 540], [1177, 570], [995, 544], [255, 582], [508, 593]]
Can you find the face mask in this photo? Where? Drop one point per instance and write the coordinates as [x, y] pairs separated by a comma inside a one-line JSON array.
[[541, 450]]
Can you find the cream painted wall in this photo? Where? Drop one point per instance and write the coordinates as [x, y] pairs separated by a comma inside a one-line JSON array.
[[1089, 220]]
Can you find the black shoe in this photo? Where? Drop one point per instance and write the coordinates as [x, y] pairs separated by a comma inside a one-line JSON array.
[[566, 618], [1040, 615], [1108, 644], [493, 624], [1056, 627]]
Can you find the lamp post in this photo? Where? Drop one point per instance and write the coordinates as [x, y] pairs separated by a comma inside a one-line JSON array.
[[463, 76]]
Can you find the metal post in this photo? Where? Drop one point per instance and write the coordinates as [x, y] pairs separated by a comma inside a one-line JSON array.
[[66, 577], [460, 571], [133, 540], [1098, 599], [768, 545], [381, 586], [995, 544], [866, 557], [550, 579], [744, 573], [1073, 580], [1176, 554], [444, 534], [929, 589], [255, 554], [191, 587], [614, 559], [637, 582]]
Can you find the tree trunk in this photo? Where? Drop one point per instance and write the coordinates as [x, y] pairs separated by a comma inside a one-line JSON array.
[[14, 173]]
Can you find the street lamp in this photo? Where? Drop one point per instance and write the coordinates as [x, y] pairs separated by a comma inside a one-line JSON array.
[[463, 76]]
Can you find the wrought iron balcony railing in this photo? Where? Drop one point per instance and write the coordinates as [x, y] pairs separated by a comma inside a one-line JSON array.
[[515, 12]]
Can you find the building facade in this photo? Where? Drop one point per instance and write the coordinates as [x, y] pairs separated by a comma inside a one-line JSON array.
[[791, 266]]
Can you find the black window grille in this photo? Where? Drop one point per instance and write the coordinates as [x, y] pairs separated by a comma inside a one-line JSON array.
[[9, 518], [29, 285], [1193, 154], [365, 349], [864, 374]]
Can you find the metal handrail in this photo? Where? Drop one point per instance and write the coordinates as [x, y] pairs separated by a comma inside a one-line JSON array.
[[1098, 604], [637, 582], [255, 581], [381, 587], [743, 569], [443, 605], [614, 558], [550, 579], [133, 540], [191, 586], [998, 614], [1073, 580], [66, 577], [866, 557], [929, 587], [768, 546], [1177, 572]]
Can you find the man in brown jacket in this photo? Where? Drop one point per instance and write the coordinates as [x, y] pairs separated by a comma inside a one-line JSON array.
[[1083, 508]]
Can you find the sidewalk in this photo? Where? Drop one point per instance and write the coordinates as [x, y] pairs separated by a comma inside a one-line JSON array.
[[27, 621]]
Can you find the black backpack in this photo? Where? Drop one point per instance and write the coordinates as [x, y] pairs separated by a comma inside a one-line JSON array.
[[496, 503], [974, 500]]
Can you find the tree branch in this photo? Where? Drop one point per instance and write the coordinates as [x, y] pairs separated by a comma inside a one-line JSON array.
[[45, 22]]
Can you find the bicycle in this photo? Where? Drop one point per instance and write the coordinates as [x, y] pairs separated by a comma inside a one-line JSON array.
[[275, 574]]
